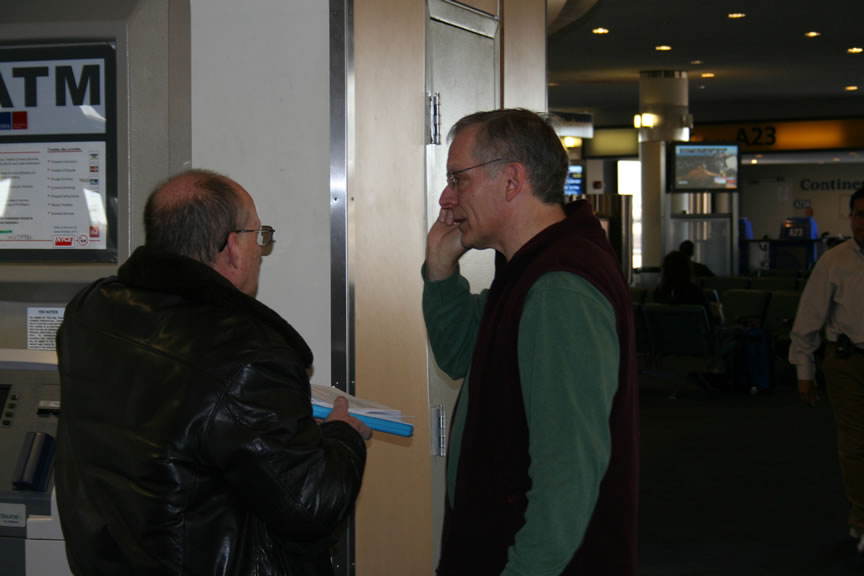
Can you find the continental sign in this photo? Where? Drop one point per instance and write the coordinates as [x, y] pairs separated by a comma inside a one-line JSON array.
[[786, 136]]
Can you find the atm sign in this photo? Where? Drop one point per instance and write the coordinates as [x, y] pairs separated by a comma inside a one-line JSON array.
[[60, 241]]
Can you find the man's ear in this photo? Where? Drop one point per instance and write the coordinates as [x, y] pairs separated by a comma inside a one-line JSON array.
[[228, 260], [516, 180]]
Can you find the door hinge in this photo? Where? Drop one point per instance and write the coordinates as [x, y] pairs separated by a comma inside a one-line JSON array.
[[433, 119], [440, 431]]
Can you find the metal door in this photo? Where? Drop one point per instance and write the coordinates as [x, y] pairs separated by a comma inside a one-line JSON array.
[[461, 77]]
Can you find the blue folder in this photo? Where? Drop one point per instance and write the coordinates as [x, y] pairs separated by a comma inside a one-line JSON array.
[[380, 424]]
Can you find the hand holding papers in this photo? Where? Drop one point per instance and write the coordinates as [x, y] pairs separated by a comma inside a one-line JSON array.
[[376, 416], [339, 413]]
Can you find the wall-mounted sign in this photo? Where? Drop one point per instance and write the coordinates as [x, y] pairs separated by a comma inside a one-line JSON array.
[[781, 136], [58, 181]]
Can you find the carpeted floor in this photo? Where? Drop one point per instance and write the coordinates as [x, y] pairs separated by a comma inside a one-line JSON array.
[[738, 485]]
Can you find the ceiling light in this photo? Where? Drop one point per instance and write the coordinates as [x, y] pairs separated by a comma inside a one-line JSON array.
[[696, 62], [663, 48], [645, 120], [553, 84], [708, 75], [754, 161], [851, 88], [855, 50], [600, 31], [813, 34], [572, 142], [737, 15]]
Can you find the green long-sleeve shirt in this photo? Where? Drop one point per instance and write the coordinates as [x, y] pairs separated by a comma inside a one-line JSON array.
[[568, 366]]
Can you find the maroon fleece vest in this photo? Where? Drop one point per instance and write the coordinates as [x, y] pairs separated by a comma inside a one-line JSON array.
[[492, 480]]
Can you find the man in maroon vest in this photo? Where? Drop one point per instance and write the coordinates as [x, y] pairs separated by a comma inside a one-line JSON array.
[[542, 472]]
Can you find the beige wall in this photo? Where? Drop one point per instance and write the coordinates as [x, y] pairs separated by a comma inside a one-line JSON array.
[[394, 534], [523, 54]]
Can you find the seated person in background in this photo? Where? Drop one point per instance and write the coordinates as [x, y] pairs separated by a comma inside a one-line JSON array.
[[697, 268], [676, 286]]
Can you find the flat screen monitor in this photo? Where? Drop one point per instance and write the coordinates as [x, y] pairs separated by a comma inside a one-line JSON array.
[[573, 183], [704, 167]]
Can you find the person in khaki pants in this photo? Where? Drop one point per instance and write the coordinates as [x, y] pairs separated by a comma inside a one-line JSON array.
[[832, 302]]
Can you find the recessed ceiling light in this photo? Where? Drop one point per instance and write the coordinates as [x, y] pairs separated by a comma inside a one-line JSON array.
[[855, 50], [600, 30], [663, 48], [708, 75], [813, 34], [851, 88], [696, 62], [737, 15], [553, 84]]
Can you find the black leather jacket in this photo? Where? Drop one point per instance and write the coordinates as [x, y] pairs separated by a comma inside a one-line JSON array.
[[186, 443]]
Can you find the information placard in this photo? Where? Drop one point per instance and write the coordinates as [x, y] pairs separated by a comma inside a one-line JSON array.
[[58, 176]]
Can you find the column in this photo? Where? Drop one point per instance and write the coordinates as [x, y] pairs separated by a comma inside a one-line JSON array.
[[664, 117]]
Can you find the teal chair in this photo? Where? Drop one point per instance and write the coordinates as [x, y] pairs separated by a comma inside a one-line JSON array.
[[684, 343], [638, 294], [780, 316], [772, 283], [723, 283], [745, 307]]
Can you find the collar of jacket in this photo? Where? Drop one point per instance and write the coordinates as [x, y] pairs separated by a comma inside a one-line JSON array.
[[163, 271]]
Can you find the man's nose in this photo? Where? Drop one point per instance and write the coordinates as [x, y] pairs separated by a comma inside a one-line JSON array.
[[448, 198]]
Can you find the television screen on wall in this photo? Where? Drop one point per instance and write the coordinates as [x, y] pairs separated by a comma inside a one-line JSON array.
[[704, 167]]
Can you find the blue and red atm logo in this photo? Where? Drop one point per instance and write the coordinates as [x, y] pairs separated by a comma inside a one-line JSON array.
[[13, 120]]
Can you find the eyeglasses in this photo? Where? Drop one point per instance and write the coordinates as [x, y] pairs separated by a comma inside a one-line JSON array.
[[264, 238], [453, 181]]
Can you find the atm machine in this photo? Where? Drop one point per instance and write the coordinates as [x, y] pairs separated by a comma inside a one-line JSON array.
[[31, 543], [74, 80]]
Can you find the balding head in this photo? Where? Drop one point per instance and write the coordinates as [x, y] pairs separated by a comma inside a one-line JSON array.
[[192, 214]]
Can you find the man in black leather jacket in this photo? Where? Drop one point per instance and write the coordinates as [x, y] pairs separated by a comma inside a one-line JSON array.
[[186, 442]]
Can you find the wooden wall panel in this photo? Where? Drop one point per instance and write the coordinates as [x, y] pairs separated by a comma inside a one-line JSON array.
[[488, 6], [387, 199]]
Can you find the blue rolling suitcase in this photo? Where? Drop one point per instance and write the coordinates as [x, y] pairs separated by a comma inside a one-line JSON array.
[[755, 361]]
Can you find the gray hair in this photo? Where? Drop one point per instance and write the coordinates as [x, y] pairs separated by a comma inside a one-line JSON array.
[[519, 135]]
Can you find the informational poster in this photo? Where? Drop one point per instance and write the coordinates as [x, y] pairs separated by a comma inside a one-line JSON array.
[[42, 326], [58, 181]]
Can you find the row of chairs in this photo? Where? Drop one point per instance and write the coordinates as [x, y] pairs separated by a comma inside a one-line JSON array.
[[723, 283], [681, 338], [773, 310]]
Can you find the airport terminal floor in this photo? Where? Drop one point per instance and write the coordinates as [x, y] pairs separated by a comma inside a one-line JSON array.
[[734, 484]]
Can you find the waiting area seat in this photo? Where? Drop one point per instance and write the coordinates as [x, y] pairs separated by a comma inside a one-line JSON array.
[[639, 294], [683, 340], [745, 307], [774, 283], [723, 283], [780, 316]]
